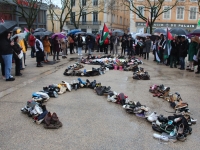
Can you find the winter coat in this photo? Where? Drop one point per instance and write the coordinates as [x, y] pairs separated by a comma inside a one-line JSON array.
[[182, 49], [192, 50], [147, 46], [114, 39], [46, 45], [174, 48], [5, 47], [16, 50], [80, 41], [56, 46], [90, 42], [129, 43], [31, 40], [124, 42]]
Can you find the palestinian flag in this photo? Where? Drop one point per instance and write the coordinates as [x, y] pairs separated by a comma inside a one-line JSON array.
[[168, 45], [104, 34]]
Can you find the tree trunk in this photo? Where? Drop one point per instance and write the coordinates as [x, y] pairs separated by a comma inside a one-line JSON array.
[[52, 26], [151, 27]]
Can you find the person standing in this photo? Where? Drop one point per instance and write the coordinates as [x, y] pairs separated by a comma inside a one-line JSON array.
[[63, 47], [47, 48], [56, 48], [90, 42], [7, 53], [39, 51], [123, 45], [71, 43], [130, 46], [115, 41], [16, 51], [147, 47], [79, 44], [191, 52], [173, 53], [105, 44], [182, 52], [31, 42]]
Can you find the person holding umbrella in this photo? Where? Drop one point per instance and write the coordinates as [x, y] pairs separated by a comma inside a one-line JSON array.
[[7, 53], [71, 43], [56, 48], [79, 44], [31, 42]]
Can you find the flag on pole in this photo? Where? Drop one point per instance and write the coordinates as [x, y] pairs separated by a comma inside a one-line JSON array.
[[104, 34], [25, 29], [168, 45]]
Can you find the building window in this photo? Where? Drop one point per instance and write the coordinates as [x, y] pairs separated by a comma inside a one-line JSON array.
[[120, 20], [95, 2], [72, 17], [179, 13], [83, 2], [72, 3], [193, 12], [84, 17], [153, 12], [141, 11], [95, 17], [166, 15]]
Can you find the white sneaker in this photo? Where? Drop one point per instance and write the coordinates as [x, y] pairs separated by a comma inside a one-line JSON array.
[[161, 137], [158, 122], [112, 98], [153, 117]]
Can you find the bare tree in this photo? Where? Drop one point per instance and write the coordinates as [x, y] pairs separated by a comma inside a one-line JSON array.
[[26, 9], [51, 6], [153, 7], [63, 13], [86, 7]]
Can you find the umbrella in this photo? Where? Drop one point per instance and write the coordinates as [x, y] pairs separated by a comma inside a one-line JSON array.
[[60, 35], [118, 32], [20, 36], [16, 28], [40, 30], [195, 31], [159, 31], [48, 33], [74, 31], [7, 25], [92, 35], [179, 31], [82, 33]]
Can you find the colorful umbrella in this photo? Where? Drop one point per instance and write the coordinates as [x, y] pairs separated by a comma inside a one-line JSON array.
[[74, 31], [59, 35]]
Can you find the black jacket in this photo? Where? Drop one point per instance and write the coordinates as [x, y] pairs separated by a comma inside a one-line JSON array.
[[124, 41], [174, 49], [16, 50], [5, 47], [182, 49], [129, 43], [80, 41]]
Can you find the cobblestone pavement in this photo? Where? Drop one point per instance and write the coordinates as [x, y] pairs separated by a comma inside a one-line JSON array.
[[89, 121]]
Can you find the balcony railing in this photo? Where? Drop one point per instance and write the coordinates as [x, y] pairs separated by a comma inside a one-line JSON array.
[[84, 22]]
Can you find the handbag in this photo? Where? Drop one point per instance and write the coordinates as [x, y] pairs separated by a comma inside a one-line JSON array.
[[20, 55]]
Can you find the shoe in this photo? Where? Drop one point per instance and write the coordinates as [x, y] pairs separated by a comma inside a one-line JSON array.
[[10, 79], [18, 74], [58, 59], [198, 72], [153, 117], [156, 128], [171, 138], [181, 137], [3, 77], [161, 137], [181, 128], [39, 65]]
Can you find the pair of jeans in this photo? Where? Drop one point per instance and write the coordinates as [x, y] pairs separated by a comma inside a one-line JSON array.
[[8, 65], [182, 62], [146, 56], [79, 50], [2, 68], [115, 50]]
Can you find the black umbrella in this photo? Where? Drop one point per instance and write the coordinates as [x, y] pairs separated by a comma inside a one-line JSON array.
[[82, 33], [159, 30], [15, 29], [179, 31], [195, 31], [7, 25], [40, 30], [48, 33], [92, 35]]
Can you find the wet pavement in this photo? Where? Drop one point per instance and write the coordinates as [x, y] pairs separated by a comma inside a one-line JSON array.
[[89, 121]]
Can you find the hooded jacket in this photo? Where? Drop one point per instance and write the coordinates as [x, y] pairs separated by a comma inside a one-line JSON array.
[[22, 42], [5, 47]]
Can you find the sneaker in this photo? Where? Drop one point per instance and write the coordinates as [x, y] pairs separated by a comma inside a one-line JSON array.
[[161, 137], [10, 79], [112, 98], [171, 138], [153, 117]]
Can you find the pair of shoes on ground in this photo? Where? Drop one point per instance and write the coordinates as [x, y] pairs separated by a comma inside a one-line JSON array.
[[51, 121]]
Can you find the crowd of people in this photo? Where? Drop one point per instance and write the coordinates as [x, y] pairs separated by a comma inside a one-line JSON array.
[[43, 46]]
